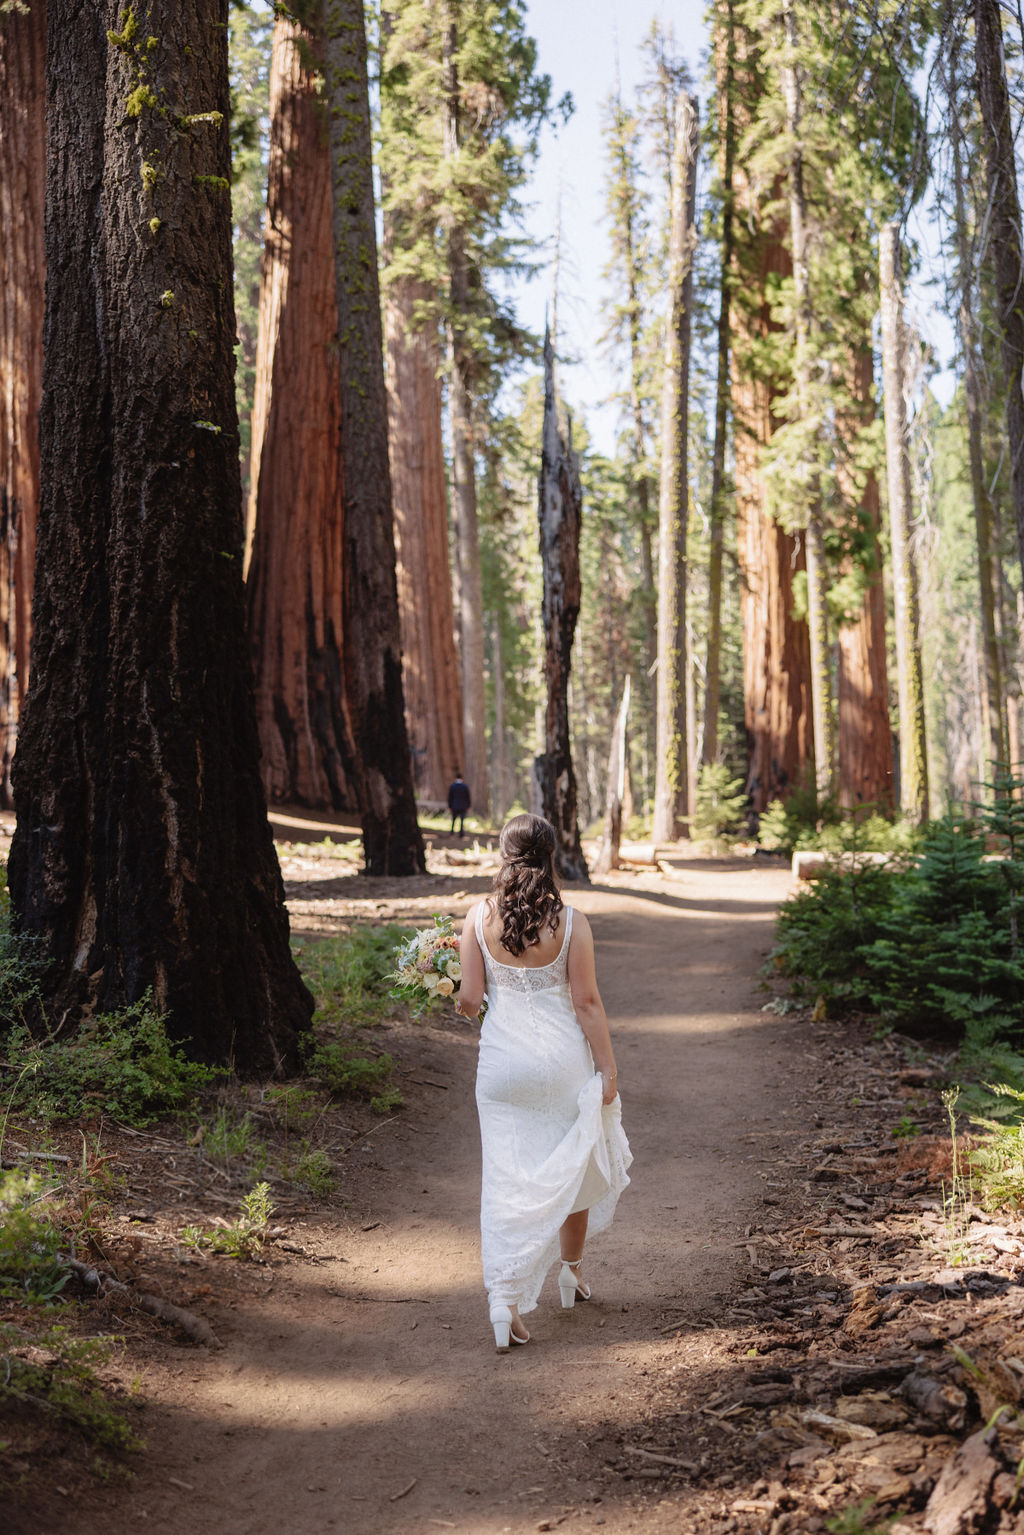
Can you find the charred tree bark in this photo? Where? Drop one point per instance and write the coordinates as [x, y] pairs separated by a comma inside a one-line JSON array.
[[671, 783], [1004, 235], [611, 840], [460, 404], [22, 302], [430, 667], [909, 679], [378, 761], [296, 483], [865, 732], [725, 53], [560, 508], [142, 856]]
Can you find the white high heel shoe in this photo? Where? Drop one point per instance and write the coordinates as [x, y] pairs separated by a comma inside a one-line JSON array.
[[504, 1337], [570, 1287]]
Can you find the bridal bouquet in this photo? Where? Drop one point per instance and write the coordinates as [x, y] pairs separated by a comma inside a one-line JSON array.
[[427, 965]]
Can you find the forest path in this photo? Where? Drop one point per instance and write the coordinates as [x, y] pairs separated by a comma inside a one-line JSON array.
[[363, 1394]]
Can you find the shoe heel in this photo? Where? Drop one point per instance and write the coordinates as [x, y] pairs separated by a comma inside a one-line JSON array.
[[501, 1321], [568, 1294]]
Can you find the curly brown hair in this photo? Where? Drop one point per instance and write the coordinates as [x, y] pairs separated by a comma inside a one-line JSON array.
[[525, 885]]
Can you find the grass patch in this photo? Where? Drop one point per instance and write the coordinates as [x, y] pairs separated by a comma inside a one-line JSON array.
[[241, 1238], [348, 975], [55, 1373]]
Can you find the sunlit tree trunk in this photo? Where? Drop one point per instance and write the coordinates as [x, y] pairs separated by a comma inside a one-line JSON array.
[[295, 521], [142, 857], [725, 57], [671, 791], [1004, 234], [611, 839], [909, 678], [22, 299], [810, 488], [378, 762], [460, 405], [430, 668], [992, 704], [560, 508], [865, 733]]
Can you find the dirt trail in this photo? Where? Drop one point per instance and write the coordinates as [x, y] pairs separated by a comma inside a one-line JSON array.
[[362, 1393]]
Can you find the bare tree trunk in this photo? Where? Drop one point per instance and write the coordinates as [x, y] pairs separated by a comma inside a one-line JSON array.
[[295, 521], [560, 508], [608, 855], [142, 856], [817, 595], [725, 55], [22, 302], [430, 667], [993, 722], [909, 679], [378, 760], [865, 731], [1004, 234], [460, 404], [671, 792]]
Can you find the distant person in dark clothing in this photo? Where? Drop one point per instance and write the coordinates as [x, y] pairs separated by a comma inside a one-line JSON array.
[[458, 801]]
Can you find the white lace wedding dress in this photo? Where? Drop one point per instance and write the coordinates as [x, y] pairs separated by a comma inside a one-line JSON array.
[[549, 1146]]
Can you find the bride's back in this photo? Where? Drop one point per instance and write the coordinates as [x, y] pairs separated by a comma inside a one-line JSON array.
[[543, 952]]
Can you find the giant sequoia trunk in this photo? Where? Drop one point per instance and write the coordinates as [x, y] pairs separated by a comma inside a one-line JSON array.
[[808, 479], [671, 783], [460, 405], [22, 275], [1007, 253], [560, 508], [430, 668], [776, 652], [378, 763], [909, 678], [142, 856], [865, 732], [295, 502]]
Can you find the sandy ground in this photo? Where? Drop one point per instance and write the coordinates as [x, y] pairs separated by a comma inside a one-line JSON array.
[[361, 1393]]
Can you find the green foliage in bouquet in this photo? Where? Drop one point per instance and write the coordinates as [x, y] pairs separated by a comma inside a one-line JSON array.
[[428, 968]]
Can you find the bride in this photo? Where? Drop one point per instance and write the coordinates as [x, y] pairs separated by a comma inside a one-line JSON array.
[[554, 1154]]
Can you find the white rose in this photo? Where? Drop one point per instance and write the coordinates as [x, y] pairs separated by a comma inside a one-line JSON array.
[[445, 987], [455, 970], [431, 980]]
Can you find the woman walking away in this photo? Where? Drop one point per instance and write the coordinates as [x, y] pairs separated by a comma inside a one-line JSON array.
[[554, 1154]]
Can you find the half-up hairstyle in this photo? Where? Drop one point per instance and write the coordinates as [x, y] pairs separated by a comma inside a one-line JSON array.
[[525, 888]]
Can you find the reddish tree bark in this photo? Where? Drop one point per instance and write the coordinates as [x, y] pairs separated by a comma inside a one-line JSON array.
[[430, 667], [22, 300], [378, 760], [776, 650], [865, 731], [295, 521]]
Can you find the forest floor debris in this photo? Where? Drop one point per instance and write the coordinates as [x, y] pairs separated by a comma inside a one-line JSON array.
[[847, 1348]]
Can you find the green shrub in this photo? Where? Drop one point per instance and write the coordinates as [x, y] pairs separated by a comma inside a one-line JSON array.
[[30, 1240], [929, 947], [242, 1238], [121, 1064], [721, 809], [55, 1372]]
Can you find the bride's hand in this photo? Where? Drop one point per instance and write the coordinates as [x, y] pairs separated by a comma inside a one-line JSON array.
[[609, 1080]]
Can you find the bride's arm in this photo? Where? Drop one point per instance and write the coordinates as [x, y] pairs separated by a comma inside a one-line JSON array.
[[471, 987], [587, 1004]]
